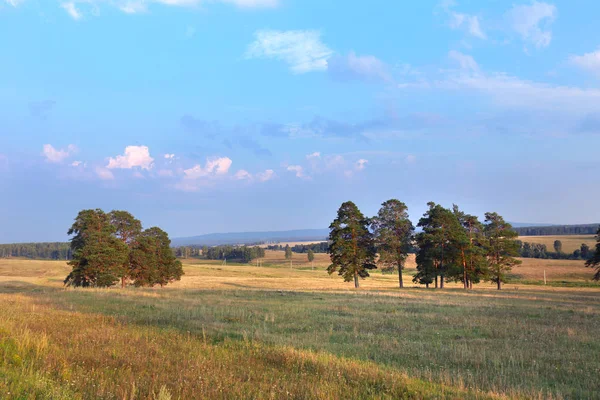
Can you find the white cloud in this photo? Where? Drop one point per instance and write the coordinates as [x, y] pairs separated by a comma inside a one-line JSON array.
[[58, 155], [467, 22], [72, 10], [368, 68], [465, 61], [303, 51], [135, 156], [334, 161], [261, 176], [532, 22], [266, 176], [313, 156], [242, 175], [588, 61], [133, 7], [213, 167], [14, 3], [361, 164], [76, 163], [298, 170], [104, 174]]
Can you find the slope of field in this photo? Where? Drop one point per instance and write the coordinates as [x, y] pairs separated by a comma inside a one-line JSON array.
[[280, 332], [570, 243]]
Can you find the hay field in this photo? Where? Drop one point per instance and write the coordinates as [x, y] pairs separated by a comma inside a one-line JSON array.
[[273, 332], [570, 243]]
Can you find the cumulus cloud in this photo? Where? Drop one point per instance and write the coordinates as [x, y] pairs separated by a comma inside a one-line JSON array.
[[135, 156], [302, 50], [242, 175], [361, 164], [298, 170], [213, 167], [588, 61], [410, 159], [54, 155], [532, 22], [265, 176]]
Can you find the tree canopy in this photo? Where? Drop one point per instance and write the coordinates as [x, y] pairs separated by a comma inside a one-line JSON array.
[[352, 249], [112, 247]]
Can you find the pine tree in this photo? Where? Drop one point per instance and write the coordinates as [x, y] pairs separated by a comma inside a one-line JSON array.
[[437, 244], [352, 248], [501, 247], [288, 252], [152, 259], [594, 262], [470, 249], [393, 235], [558, 246], [99, 258], [127, 229]]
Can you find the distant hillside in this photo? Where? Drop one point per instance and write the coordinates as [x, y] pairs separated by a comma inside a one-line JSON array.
[[584, 229], [213, 239]]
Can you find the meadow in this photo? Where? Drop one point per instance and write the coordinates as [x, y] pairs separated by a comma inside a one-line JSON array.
[[242, 331], [570, 243]]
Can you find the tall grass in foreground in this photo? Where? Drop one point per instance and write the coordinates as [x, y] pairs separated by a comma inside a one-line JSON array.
[[47, 353]]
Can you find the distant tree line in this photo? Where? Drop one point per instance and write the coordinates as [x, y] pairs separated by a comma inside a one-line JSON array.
[[451, 246], [112, 247], [587, 229], [40, 251], [322, 247], [537, 250], [242, 254]]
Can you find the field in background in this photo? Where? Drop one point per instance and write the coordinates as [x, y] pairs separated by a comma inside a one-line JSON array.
[[570, 243], [241, 331]]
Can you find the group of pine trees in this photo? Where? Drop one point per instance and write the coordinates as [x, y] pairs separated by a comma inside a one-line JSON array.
[[112, 247], [451, 245]]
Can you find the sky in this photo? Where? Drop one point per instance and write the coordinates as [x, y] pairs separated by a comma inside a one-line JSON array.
[[204, 116]]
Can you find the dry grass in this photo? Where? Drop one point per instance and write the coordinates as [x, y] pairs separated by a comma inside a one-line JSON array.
[[570, 243], [274, 332]]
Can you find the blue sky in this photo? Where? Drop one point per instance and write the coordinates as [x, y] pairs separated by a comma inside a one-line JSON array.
[[243, 115]]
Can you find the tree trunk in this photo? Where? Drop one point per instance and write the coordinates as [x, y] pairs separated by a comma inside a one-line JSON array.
[[436, 281], [499, 284], [122, 282], [356, 284], [427, 285], [470, 284], [442, 282], [400, 276]]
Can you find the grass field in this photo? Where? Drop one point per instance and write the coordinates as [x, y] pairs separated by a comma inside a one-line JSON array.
[[570, 243], [278, 332]]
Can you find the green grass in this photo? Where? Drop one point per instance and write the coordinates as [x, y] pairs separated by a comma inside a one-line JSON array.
[[517, 343]]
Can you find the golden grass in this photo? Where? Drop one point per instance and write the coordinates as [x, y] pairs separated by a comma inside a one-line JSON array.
[[242, 331], [570, 243], [50, 353]]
